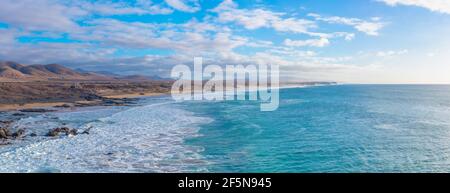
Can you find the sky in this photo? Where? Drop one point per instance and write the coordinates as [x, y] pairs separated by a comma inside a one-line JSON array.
[[349, 41]]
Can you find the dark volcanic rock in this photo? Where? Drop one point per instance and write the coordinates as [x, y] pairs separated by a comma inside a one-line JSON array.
[[64, 129], [6, 122], [63, 106], [73, 132], [119, 101], [19, 133], [92, 97], [85, 104], [112, 101], [56, 131], [5, 133], [36, 110], [87, 131]]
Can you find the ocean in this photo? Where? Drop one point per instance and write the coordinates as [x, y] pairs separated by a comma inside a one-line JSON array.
[[339, 128]]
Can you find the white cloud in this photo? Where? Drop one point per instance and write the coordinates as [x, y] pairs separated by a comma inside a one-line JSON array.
[[259, 44], [347, 36], [39, 15], [293, 25], [369, 27], [65, 53], [182, 6], [7, 37], [258, 18], [195, 25], [191, 37], [441, 6], [431, 54], [103, 42], [59, 15], [322, 42], [391, 53], [250, 20], [140, 7]]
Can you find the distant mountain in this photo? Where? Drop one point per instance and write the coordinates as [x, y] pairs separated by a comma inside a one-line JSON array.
[[12, 71], [126, 77], [106, 73], [142, 78]]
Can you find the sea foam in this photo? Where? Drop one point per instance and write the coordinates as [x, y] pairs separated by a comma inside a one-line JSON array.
[[148, 138]]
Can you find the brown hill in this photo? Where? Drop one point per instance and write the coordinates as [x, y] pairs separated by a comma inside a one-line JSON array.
[[8, 70], [11, 71]]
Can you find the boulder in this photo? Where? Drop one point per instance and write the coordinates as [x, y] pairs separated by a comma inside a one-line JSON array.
[[65, 130], [56, 131], [4, 133], [87, 131], [19, 133], [73, 132]]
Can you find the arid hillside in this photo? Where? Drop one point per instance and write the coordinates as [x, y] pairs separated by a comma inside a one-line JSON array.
[[69, 91], [21, 84], [12, 72]]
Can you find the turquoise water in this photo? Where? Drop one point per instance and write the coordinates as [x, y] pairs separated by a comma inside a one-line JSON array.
[[346, 128]]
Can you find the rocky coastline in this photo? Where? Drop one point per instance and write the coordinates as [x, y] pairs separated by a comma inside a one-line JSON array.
[[19, 100]]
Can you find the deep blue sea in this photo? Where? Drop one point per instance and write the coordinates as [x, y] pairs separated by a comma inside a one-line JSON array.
[[341, 128], [347, 128]]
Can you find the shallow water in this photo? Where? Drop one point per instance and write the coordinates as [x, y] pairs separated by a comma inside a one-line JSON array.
[[346, 128]]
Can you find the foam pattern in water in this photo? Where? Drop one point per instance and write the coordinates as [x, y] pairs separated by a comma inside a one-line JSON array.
[[149, 138]]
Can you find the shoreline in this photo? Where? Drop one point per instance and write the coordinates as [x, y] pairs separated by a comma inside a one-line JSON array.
[[73, 104], [12, 113], [5, 107]]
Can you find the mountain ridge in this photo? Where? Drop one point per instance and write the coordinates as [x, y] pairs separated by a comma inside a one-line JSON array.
[[13, 72]]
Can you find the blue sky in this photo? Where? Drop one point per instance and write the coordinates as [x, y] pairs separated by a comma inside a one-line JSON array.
[[360, 41]]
